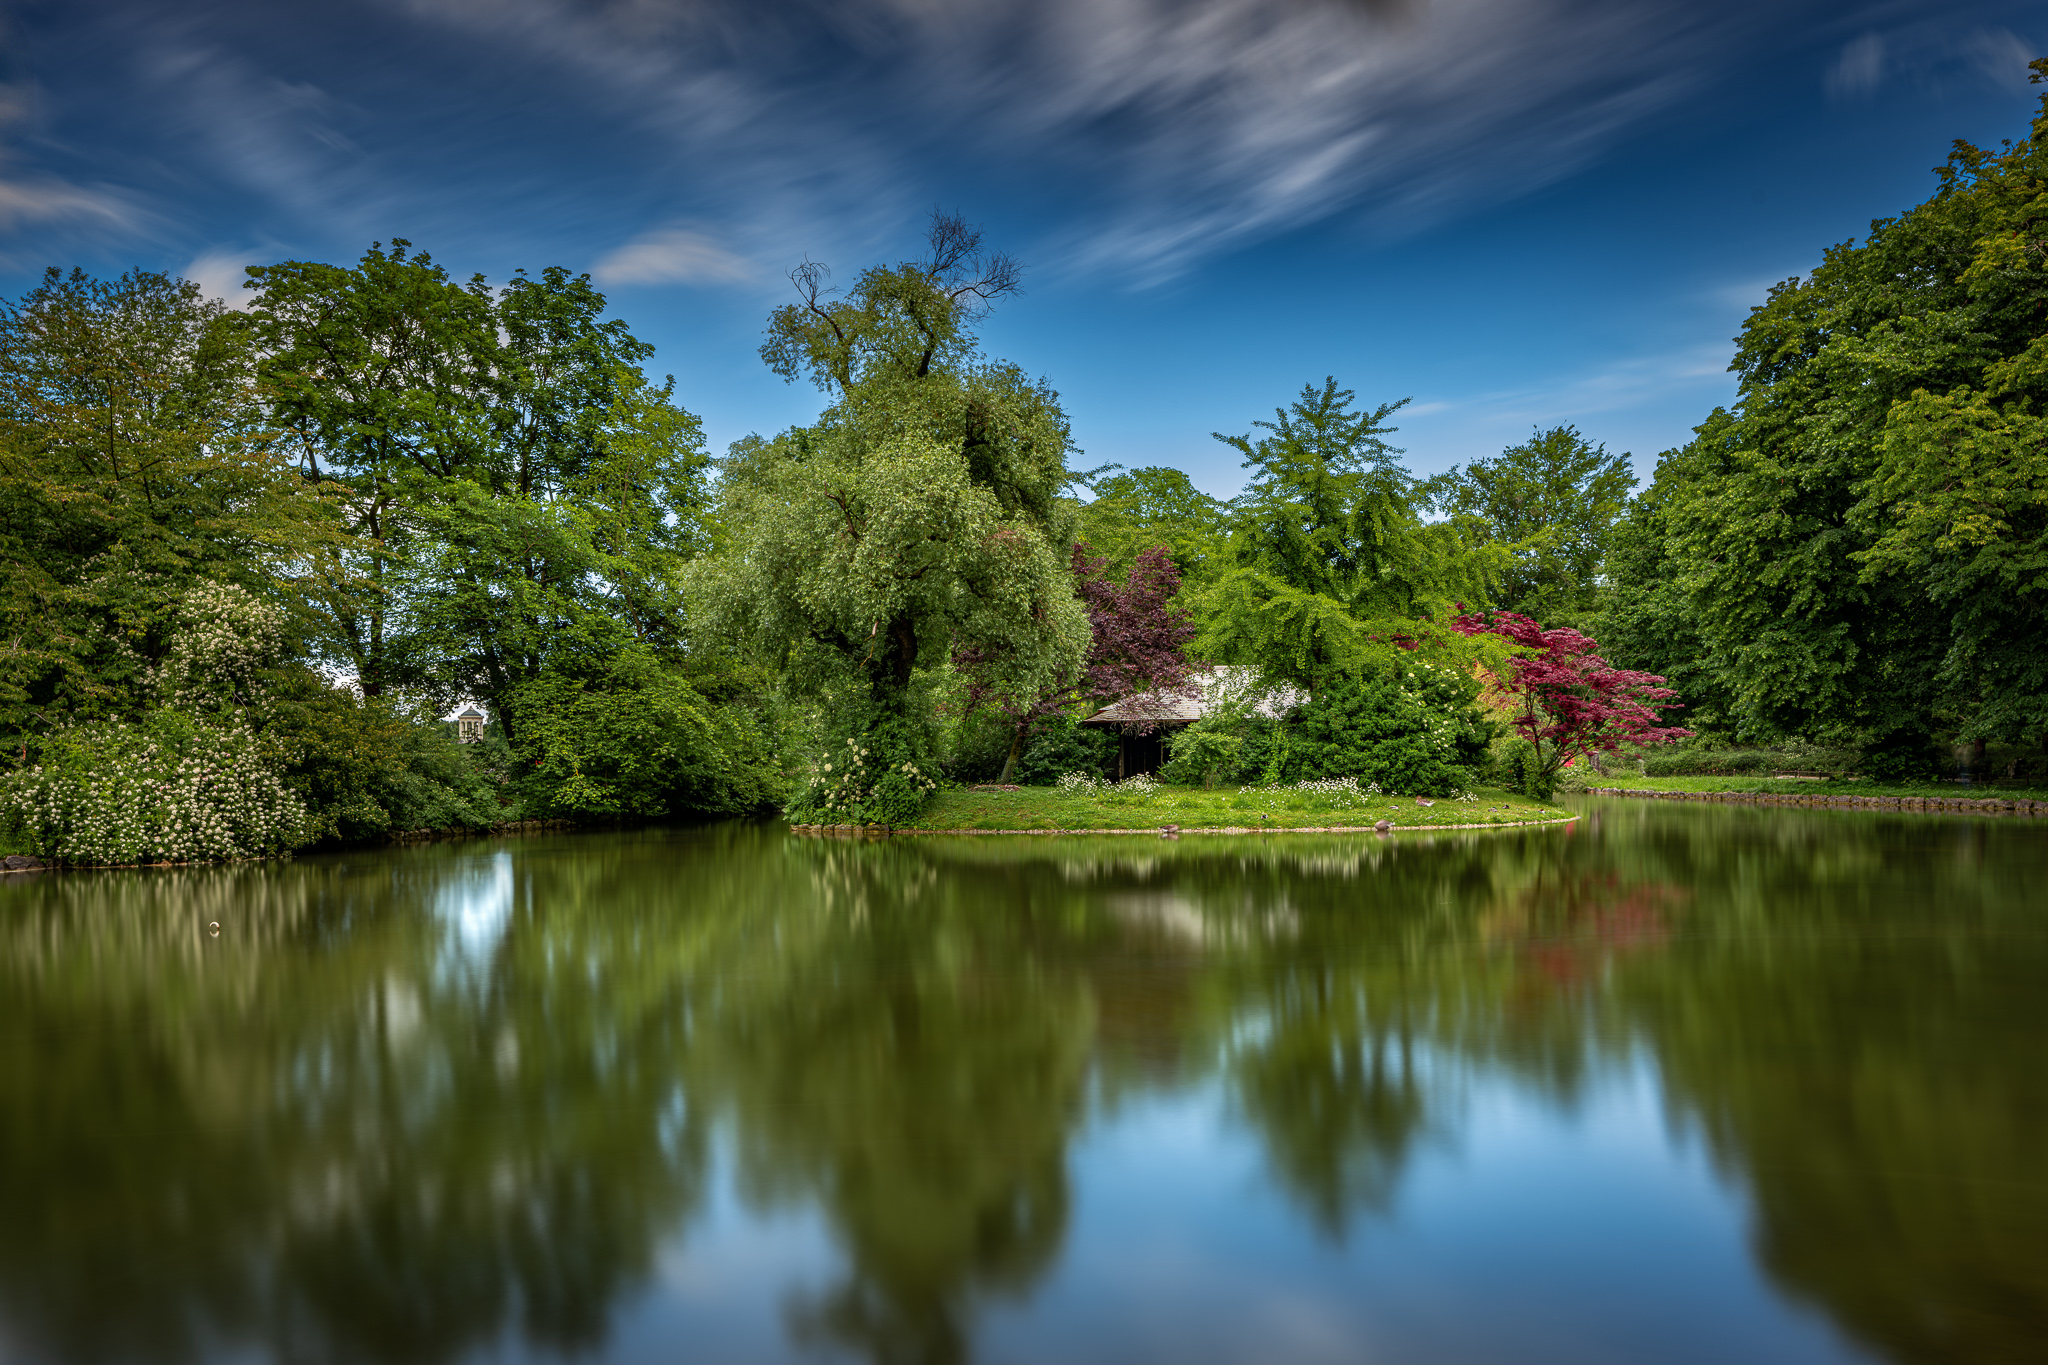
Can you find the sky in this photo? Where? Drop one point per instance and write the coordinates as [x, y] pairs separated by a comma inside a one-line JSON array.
[[1513, 213]]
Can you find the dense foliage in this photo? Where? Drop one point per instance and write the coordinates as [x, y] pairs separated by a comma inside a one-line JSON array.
[[1334, 569], [1857, 551], [279, 543], [1551, 502]]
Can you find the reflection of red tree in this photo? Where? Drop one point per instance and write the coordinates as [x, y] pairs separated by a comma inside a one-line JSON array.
[[1570, 930]]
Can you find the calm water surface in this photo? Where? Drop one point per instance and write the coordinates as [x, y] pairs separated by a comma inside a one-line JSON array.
[[1683, 1084]]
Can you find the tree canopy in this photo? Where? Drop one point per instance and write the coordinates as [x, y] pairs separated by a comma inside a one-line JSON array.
[[1332, 562]]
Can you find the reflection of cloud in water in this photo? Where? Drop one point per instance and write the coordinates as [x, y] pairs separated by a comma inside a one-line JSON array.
[[1164, 913], [1177, 917], [474, 905]]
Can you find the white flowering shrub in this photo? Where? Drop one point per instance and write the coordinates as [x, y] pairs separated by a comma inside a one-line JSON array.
[[1137, 784], [1079, 783], [170, 789], [857, 785], [225, 638]]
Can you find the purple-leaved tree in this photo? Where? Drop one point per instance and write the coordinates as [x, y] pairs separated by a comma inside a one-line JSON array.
[[1139, 645]]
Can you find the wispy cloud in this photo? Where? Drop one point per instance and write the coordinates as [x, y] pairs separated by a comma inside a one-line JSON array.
[[48, 200], [673, 255], [1929, 54], [1154, 132], [31, 199], [1860, 68], [1615, 385]]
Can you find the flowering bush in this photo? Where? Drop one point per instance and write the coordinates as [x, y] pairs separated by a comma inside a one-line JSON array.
[[1335, 786], [862, 783], [171, 789], [226, 637], [1088, 784]]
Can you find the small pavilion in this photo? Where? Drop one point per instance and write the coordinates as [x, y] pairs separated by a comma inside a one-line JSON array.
[[1146, 721]]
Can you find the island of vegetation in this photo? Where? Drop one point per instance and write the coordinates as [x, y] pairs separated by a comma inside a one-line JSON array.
[[250, 557]]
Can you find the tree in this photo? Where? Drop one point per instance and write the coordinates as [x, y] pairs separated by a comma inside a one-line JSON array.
[[1860, 539], [1552, 501], [1138, 641], [1567, 701], [135, 463], [521, 497], [1647, 620], [1333, 568], [1134, 510], [919, 517]]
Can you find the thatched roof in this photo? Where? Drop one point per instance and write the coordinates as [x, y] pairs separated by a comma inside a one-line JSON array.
[[1205, 688]]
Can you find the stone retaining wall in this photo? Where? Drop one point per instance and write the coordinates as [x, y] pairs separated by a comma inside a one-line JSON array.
[[1974, 805]]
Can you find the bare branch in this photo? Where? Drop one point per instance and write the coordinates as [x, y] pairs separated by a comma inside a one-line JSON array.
[[955, 263]]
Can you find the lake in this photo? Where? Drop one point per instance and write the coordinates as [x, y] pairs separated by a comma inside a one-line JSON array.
[[1679, 1083]]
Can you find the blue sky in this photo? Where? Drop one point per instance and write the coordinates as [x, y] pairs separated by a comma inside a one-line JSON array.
[[1514, 212]]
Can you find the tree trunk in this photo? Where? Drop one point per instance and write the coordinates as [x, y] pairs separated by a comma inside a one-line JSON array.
[[1016, 750]]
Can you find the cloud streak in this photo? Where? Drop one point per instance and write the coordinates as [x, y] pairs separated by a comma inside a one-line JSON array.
[[1153, 133], [673, 255]]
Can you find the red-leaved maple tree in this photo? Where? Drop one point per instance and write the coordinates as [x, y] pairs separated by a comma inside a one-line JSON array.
[[1139, 645], [1568, 701]]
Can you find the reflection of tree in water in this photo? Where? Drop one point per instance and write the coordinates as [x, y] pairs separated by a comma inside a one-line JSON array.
[[1341, 980], [323, 1135], [918, 1077], [436, 1102], [1869, 1066]]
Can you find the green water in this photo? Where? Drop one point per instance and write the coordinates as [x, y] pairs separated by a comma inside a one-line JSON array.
[[1683, 1084]]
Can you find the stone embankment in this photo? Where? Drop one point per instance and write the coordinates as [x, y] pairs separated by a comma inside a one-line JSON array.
[[1973, 805]]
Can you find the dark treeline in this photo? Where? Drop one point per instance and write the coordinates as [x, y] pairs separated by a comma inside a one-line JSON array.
[[252, 555]]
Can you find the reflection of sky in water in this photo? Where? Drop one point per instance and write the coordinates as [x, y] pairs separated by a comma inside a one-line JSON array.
[[1533, 1230], [474, 905]]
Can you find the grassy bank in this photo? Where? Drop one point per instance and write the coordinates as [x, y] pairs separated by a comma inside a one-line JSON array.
[[1046, 808], [1793, 786]]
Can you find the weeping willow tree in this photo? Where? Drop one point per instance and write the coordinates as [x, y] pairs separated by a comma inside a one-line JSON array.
[[1334, 570], [919, 517]]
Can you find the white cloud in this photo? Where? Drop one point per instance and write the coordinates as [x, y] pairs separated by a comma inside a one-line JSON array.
[[673, 255], [1930, 55], [1859, 70], [219, 275], [24, 202]]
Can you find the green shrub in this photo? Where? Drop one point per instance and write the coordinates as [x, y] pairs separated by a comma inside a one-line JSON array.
[[1519, 768], [1903, 756], [1061, 746], [1202, 756], [172, 788], [883, 775], [1705, 761], [1378, 731], [368, 770], [978, 746], [639, 743]]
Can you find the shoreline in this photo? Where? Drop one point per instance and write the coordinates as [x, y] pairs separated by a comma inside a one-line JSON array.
[[884, 832], [1949, 805]]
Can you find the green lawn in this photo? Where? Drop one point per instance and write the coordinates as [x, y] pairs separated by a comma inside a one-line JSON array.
[[1792, 786], [1194, 808]]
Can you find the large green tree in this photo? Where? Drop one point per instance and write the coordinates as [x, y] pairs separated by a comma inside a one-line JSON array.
[[522, 498], [920, 515], [1334, 566], [135, 462], [1862, 541], [1131, 511], [1553, 501]]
